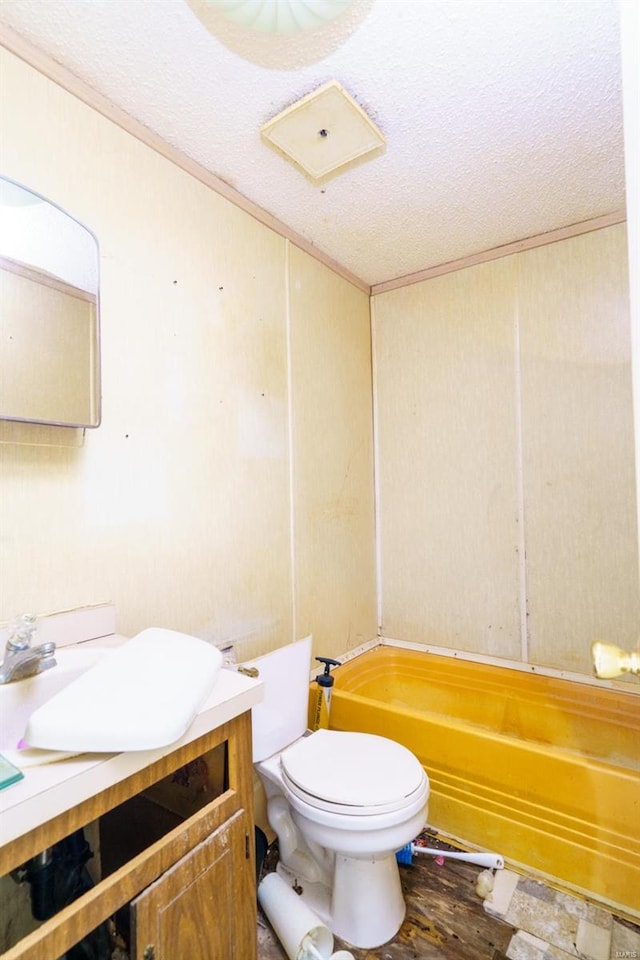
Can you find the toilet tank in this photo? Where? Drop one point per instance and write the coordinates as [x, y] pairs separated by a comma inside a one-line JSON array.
[[281, 718]]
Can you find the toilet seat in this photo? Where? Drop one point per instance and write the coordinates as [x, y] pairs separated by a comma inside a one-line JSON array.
[[356, 774]]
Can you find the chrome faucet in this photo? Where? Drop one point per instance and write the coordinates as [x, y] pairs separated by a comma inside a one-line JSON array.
[[21, 658]]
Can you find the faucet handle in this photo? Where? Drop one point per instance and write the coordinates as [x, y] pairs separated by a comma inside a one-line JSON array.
[[23, 629]]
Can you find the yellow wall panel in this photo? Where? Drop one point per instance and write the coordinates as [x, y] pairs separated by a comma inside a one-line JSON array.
[[578, 448], [505, 429], [447, 458], [333, 458]]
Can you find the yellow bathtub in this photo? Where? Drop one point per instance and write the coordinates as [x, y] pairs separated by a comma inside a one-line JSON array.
[[542, 770]]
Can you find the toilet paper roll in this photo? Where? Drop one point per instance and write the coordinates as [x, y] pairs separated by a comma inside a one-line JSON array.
[[302, 934]]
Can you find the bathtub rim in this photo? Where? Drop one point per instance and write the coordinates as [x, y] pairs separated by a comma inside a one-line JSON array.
[[620, 686]]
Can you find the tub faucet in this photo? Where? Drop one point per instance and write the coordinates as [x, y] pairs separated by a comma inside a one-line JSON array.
[[21, 658]]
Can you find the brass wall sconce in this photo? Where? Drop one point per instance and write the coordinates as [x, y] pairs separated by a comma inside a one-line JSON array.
[[610, 661]]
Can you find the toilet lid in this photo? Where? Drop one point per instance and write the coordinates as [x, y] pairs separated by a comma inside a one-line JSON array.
[[353, 769]]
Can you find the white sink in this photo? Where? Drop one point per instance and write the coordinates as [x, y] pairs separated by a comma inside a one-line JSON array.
[[19, 699]]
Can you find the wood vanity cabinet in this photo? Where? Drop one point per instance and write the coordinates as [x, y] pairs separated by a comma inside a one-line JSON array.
[[191, 911], [191, 893]]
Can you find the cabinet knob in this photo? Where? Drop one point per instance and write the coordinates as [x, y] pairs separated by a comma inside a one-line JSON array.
[[149, 952]]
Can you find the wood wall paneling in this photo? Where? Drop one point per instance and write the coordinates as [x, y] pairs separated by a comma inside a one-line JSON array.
[[177, 507], [333, 458], [578, 448], [446, 398], [506, 427]]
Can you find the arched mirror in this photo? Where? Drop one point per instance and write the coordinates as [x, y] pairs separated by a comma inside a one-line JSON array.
[[49, 316]]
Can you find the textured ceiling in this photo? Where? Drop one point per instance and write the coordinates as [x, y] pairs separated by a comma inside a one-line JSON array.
[[503, 120]]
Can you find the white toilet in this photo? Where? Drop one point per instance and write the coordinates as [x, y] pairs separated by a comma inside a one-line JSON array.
[[341, 804]]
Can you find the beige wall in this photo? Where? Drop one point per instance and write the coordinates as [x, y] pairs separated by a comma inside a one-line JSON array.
[[178, 507], [234, 364], [504, 426], [333, 458], [447, 461], [578, 448]]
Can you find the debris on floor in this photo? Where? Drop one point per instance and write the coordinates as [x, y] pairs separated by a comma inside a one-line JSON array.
[[521, 918]]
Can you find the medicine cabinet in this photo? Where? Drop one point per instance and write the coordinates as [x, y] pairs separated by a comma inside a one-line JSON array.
[[49, 313]]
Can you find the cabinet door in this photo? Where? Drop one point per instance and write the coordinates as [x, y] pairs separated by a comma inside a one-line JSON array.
[[204, 907]]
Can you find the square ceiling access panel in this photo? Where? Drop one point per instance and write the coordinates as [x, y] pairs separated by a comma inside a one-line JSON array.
[[324, 134]]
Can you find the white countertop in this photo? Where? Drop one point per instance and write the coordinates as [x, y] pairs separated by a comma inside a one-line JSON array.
[[54, 788]]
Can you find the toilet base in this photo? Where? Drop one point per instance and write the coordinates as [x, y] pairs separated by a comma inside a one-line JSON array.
[[367, 904], [366, 907]]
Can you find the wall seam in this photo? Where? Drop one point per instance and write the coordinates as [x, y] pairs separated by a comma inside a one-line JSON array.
[[376, 467], [522, 566], [292, 513]]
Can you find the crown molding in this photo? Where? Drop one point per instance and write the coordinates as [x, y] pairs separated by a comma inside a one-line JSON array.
[[495, 253]]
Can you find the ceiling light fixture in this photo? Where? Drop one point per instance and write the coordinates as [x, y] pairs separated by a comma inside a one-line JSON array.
[[282, 16], [281, 34]]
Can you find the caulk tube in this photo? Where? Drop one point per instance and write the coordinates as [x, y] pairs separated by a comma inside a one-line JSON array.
[[323, 696]]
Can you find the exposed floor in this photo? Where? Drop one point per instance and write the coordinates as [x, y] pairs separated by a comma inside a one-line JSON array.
[[523, 919]]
